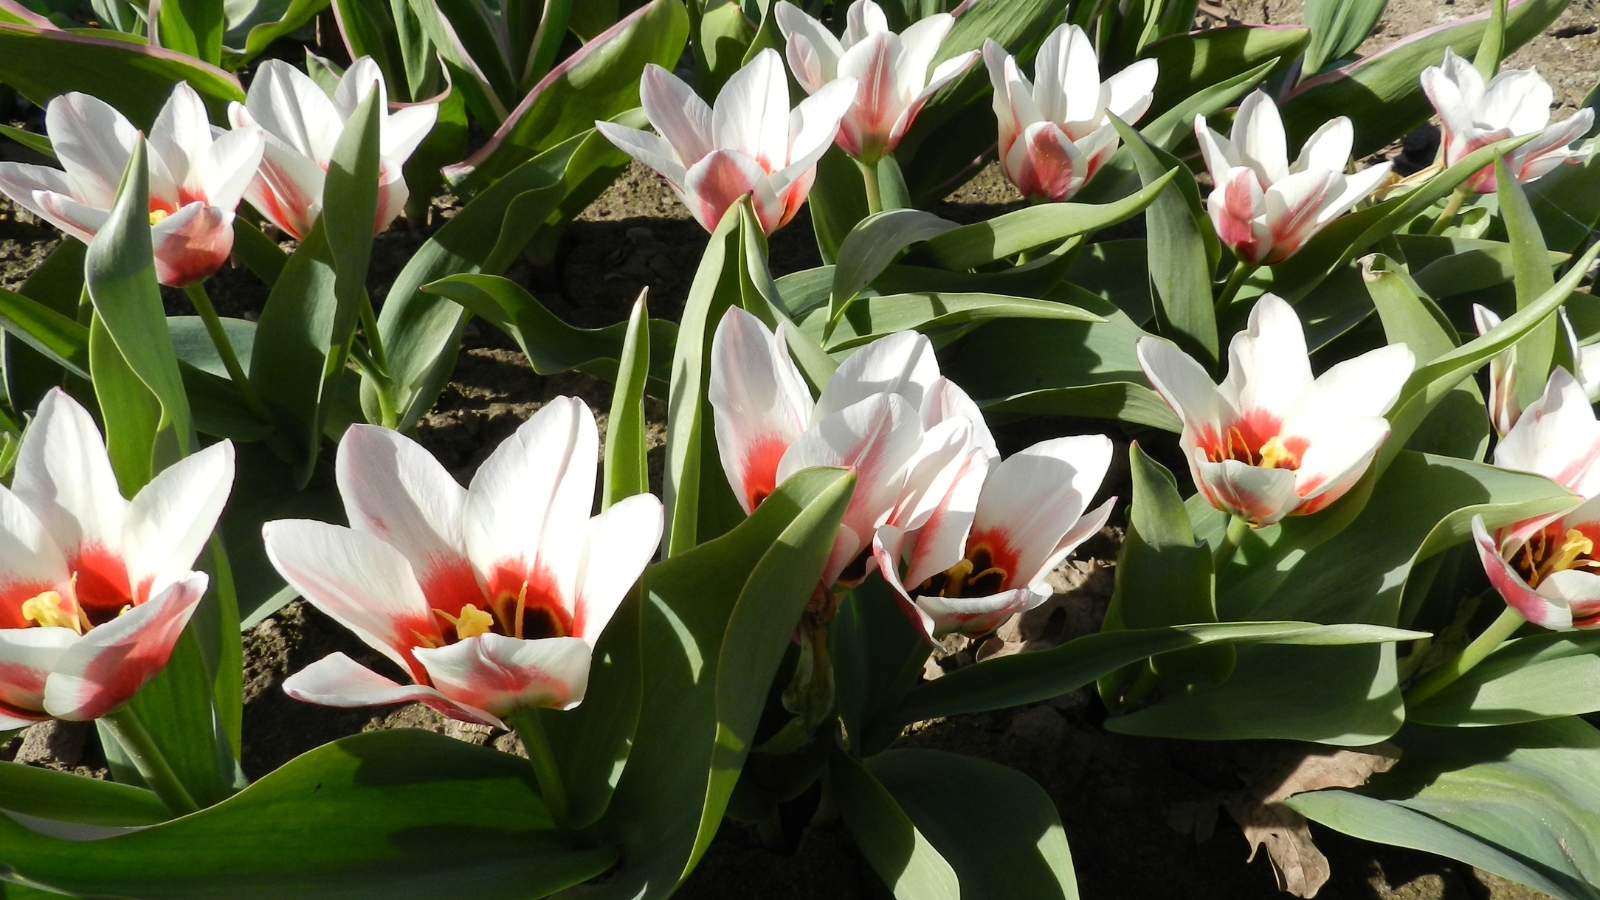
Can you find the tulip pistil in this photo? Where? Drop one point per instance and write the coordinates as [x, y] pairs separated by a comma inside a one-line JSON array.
[[46, 611], [974, 576]]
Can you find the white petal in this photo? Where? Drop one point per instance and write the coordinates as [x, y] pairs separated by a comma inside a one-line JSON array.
[[27, 657], [1557, 437], [405, 129], [64, 476], [944, 399], [1365, 386], [1328, 148], [864, 18], [354, 85], [1357, 187], [1538, 609], [1518, 100], [30, 561], [1260, 496], [751, 114], [647, 148], [1258, 136], [23, 183], [678, 113], [172, 517], [1338, 452], [339, 681], [621, 542], [1078, 80], [814, 123], [502, 675], [977, 615], [719, 180], [1130, 91], [93, 142], [1268, 367], [940, 538], [292, 108], [1033, 499], [1184, 384], [797, 27], [902, 363], [1216, 150], [397, 491], [222, 170], [181, 131], [760, 403]]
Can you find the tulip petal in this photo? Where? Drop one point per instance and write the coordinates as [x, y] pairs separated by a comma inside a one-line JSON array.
[[339, 681], [172, 517], [919, 47], [1338, 451], [502, 675], [109, 664], [292, 108], [93, 142], [405, 129], [1518, 99], [977, 615], [1295, 206], [1579, 589], [751, 114], [68, 214], [1238, 209], [1268, 367], [1186, 387], [287, 189], [1260, 496], [872, 63], [1455, 111], [192, 243], [1045, 163], [1504, 409], [944, 399], [1077, 78], [21, 182], [1367, 385], [621, 542], [358, 580], [821, 49], [760, 401], [863, 19], [65, 477], [27, 657], [1031, 500], [1530, 604], [396, 490], [222, 170], [901, 363], [1216, 150], [1328, 148], [647, 148], [813, 125], [887, 547], [943, 523], [1357, 187], [1557, 436], [30, 561], [678, 113], [717, 182], [1129, 92], [1258, 136]]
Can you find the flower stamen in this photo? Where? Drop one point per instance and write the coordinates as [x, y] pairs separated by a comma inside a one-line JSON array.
[[46, 611]]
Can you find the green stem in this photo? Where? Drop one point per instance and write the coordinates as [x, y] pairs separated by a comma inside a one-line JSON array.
[[531, 730], [1451, 207], [1474, 653], [369, 325], [147, 758], [1237, 529], [1142, 686], [380, 364], [1230, 289], [869, 175], [230, 360]]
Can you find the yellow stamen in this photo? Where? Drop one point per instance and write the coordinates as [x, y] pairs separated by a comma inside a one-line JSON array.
[[522, 604], [156, 215], [1572, 549], [957, 575], [46, 610], [473, 622], [1274, 455]]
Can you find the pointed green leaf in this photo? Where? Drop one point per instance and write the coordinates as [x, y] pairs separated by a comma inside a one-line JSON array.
[[895, 847]]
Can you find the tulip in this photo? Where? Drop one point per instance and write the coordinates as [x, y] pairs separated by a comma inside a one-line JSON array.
[[1055, 132], [749, 144], [301, 125], [97, 588], [892, 70], [1504, 409], [1515, 102], [982, 551], [196, 180], [1271, 441], [886, 413], [491, 597], [1265, 209]]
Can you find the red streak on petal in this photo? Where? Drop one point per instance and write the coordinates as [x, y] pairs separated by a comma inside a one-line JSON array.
[[761, 469], [542, 603], [451, 584], [101, 586], [1001, 554], [19, 712]]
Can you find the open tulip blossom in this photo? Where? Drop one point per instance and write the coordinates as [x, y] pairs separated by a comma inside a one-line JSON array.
[[886, 413], [196, 178], [981, 551], [749, 144], [1546, 568], [302, 124], [491, 597], [1054, 131], [1271, 440], [97, 589], [1514, 102], [1504, 410], [1264, 208], [891, 69]]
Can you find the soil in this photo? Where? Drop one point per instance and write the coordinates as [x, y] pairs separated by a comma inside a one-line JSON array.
[[1122, 800]]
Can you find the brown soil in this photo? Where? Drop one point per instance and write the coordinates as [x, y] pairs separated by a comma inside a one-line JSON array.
[[1117, 795]]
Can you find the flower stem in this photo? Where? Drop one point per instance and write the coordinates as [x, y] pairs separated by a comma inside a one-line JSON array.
[[141, 748], [531, 730], [1474, 653], [230, 360], [1230, 289], [380, 364], [1448, 215], [1231, 539], [869, 175]]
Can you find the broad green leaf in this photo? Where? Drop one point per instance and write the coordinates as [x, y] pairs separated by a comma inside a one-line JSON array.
[[1447, 267], [870, 318], [1492, 48], [1518, 800], [758, 295], [722, 37], [869, 248], [878, 656], [57, 338], [368, 29], [259, 253], [1381, 94], [1032, 677], [191, 27], [392, 815], [179, 709], [296, 15], [38, 143], [1117, 272], [1203, 59], [1337, 28], [1530, 263], [130, 414], [1543, 676], [42, 63], [217, 406], [472, 46], [604, 73], [626, 471], [57, 285], [63, 797], [894, 846], [1567, 202], [1012, 845], [982, 243], [690, 739], [1176, 125], [837, 202], [266, 489]]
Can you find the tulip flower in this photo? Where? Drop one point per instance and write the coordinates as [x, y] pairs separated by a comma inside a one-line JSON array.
[[981, 553], [97, 589], [490, 597], [301, 125], [1271, 441], [886, 413], [1054, 131], [196, 179], [1265, 209], [749, 144], [1546, 567], [892, 70], [1504, 409], [1515, 102]]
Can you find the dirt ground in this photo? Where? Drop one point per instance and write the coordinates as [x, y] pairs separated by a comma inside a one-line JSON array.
[[1118, 796]]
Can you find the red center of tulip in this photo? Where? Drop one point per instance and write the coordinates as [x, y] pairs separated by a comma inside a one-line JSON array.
[[1255, 441], [100, 591], [1555, 549], [983, 572], [517, 603]]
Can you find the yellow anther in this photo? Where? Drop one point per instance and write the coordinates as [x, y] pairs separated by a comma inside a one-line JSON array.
[[956, 577], [46, 611], [156, 215], [1575, 547], [473, 622], [1274, 455]]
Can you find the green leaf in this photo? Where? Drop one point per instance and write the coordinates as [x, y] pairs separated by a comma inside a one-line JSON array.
[[982, 243], [1544, 676], [626, 470], [179, 709], [1193, 62], [392, 815], [1446, 267], [1518, 800], [895, 847], [837, 202], [604, 73], [471, 44], [878, 656], [1181, 258], [130, 413], [1176, 125], [59, 339], [295, 16], [368, 29], [121, 282], [731, 601], [1031, 677], [1381, 93], [870, 318], [869, 248], [1492, 48], [259, 253], [722, 38], [57, 283], [1337, 28], [1530, 263], [191, 27], [38, 143], [1011, 845], [42, 63], [61, 797], [266, 489], [1567, 202]]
